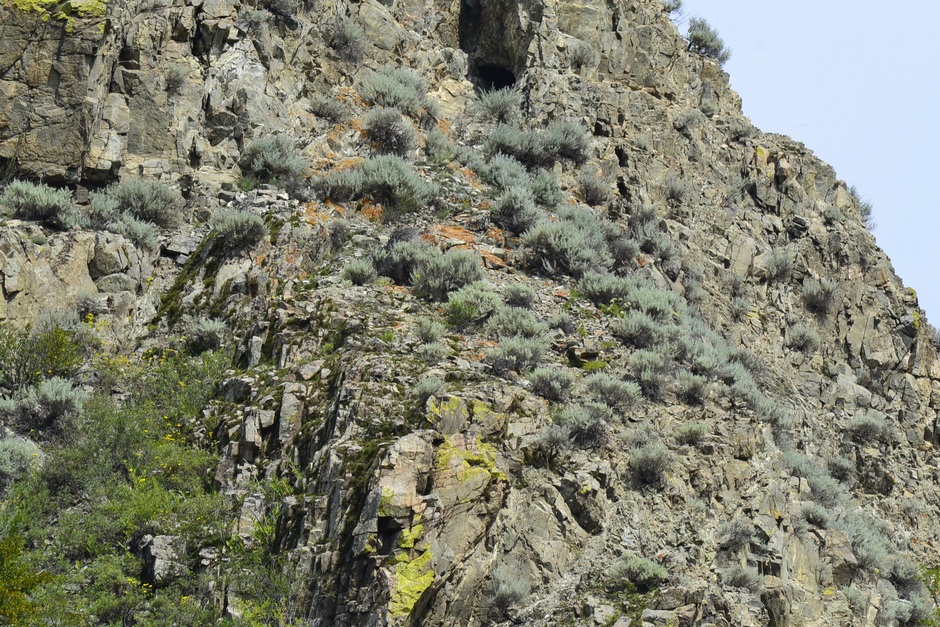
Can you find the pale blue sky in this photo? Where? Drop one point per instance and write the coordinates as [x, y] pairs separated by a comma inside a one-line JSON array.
[[856, 81]]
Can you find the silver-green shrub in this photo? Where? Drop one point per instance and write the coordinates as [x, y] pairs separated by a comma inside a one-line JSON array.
[[553, 384], [519, 354], [500, 105], [439, 276], [39, 202], [704, 39], [515, 210], [643, 573], [515, 322], [204, 334], [272, 159], [389, 133], [238, 229], [360, 272]]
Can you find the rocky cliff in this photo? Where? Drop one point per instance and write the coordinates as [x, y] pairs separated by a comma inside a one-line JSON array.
[[629, 361]]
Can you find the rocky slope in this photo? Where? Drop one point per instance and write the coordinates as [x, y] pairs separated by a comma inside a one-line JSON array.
[[780, 463]]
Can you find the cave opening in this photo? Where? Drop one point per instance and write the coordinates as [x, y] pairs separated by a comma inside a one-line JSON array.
[[490, 49], [489, 77]]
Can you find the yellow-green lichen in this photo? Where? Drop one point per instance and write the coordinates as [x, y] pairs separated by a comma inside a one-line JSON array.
[[411, 580], [482, 458], [410, 536], [67, 11], [385, 503]]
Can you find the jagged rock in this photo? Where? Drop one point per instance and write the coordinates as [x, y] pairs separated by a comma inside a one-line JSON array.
[[164, 559]]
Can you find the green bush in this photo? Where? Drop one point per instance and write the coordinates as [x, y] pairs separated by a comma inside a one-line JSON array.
[[738, 576], [500, 105], [143, 199], [238, 229], [329, 108], [505, 173], [428, 387], [28, 356], [677, 190], [672, 6], [611, 391], [438, 147], [432, 352], [41, 203], [272, 159], [403, 259], [573, 245], [393, 182], [816, 515], [471, 304], [389, 133], [429, 330], [650, 369], [594, 189], [567, 139], [142, 233], [639, 330], [691, 388], [704, 39], [204, 334], [777, 266], [347, 39], [585, 429], [562, 139], [518, 354], [396, 87], [691, 433], [803, 338], [553, 384], [439, 276], [819, 296], [867, 428], [736, 535], [508, 589], [17, 456], [545, 189], [869, 541], [359, 272], [603, 288], [50, 406], [519, 295], [515, 210], [649, 463], [645, 574], [582, 54], [510, 322]]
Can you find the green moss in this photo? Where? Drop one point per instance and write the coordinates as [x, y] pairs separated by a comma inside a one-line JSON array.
[[591, 366], [411, 580]]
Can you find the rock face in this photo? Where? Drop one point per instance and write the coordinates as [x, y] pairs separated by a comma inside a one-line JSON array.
[[773, 476]]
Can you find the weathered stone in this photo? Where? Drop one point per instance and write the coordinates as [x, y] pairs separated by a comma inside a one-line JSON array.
[[164, 559]]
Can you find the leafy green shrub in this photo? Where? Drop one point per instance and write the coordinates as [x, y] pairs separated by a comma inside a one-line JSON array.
[[401, 260], [204, 334], [603, 288], [568, 139], [359, 272], [28, 356], [31, 201], [439, 276], [649, 463], [347, 39], [583, 55], [545, 189], [426, 388], [611, 391], [17, 456], [691, 388], [519, 354], [271, 159], [803, 338], [50, 406], [389, 132], [432, 352], [574, 245], [142, 233], [868, 427], [691, 433], [819, 295], [142, 199], [515, 210], [594, 189], [563, 322], [500, 105], [238, 229], [777, 266], [328, 108], [736, 534], [677, 190], [553, 384], [816, 515], [438, 147], [395, 87], [515, 322], [704, 39], [639, 330], [645, 574], [519, 295], [393, 182], [506, 173], [471, 304], [585, 429], [428, 330]]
